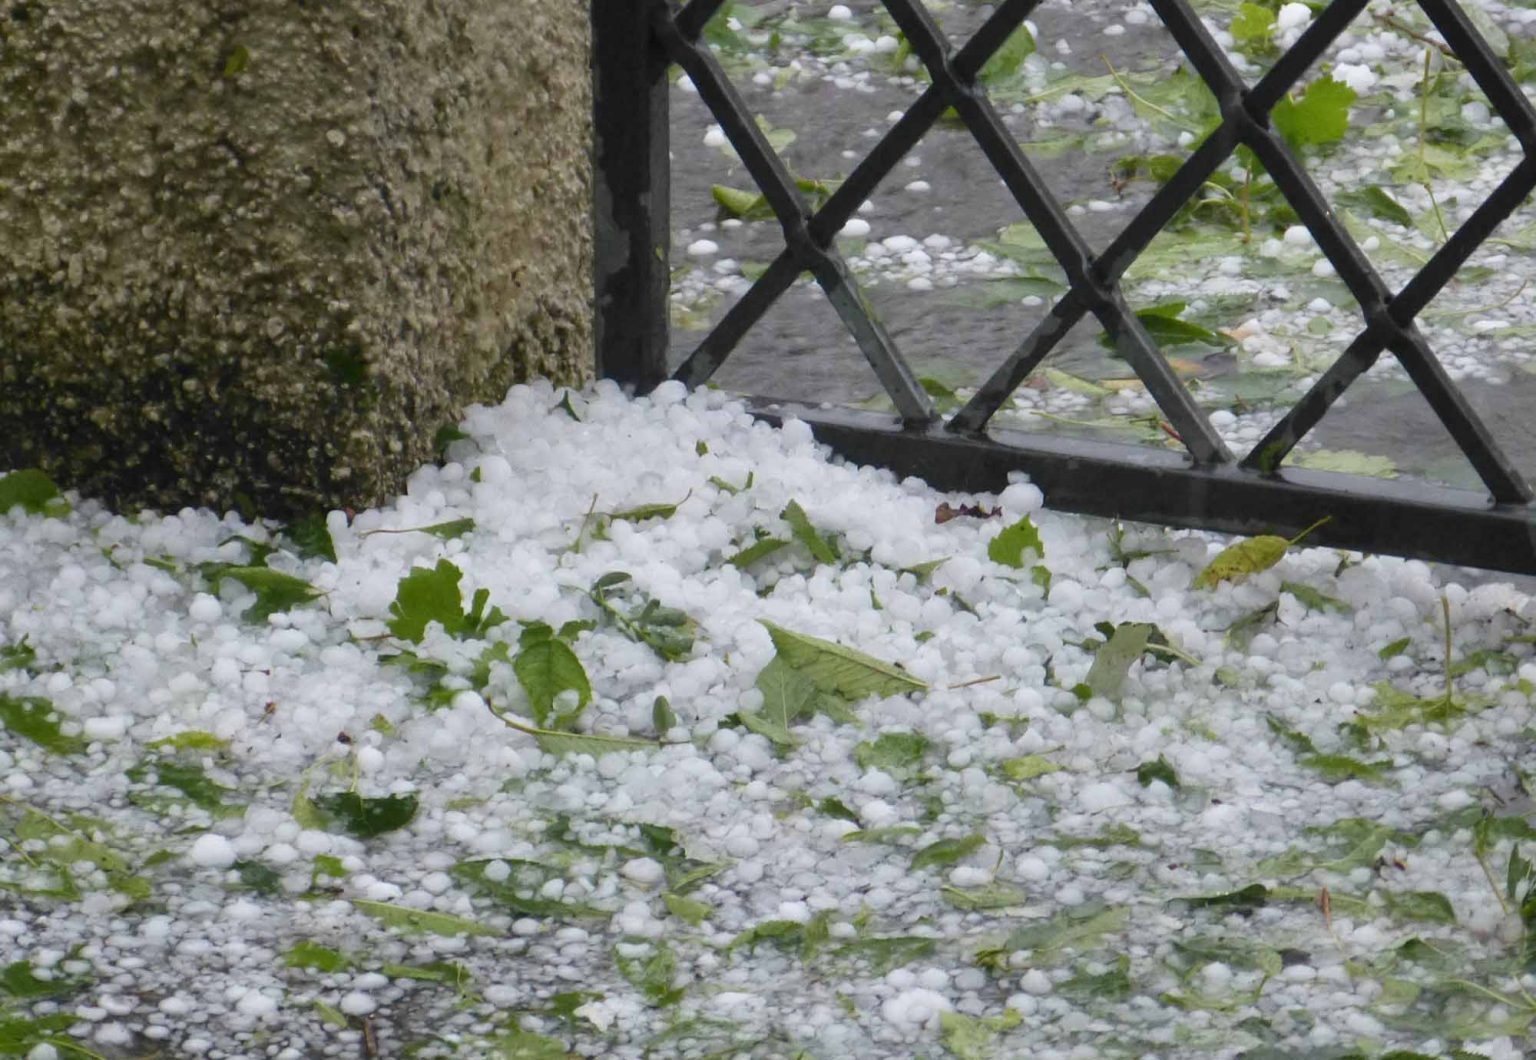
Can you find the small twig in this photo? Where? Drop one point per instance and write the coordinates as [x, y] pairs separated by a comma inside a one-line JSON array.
[[976, 681], [1393, 22]]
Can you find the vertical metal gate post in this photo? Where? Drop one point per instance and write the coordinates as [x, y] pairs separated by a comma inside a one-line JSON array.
[[631, 174]]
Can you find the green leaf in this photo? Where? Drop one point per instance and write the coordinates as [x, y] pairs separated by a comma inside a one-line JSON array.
[[1346, 462], [1009, 59], [236, 62], [1009, 546], [834, 807], [840, 671], [1319, 116], [1375, 200], [1028, 767], [448, 531], [33, 491], [819, 545], [1314, 599], [18, 656], [1074, 929], [1147, 772], [665, 630], [663, 719], [191, 780], [518, 892], [1165, 328], [998, 895], [1420, 905], [946, 851], [1112, 663], [263, 879], [1394, 708], [1251, 897], [275, 591], [424, 596], [1335, 768], [1253, 27], [307, 954], [312, 537], [33, 718], [883, 953], [526, 1045], [686, 909], [747, 205], [19, 981], [653, 975], [191, 740], [647, 511], [18, 1036], [769, 729], [973, 1037], [367, 817], [447, 973], [407, 919], [1113, 985], [1117, 834], [893, 752], [762, 548], [546, 667]]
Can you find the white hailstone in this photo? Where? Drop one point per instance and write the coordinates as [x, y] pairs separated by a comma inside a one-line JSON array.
[[357, 1003], [915, 1008], [213, 852], [840, 13], [703, 248], [1358, 77], [647, 872], [205, 608], [855, 228], [1096, 798], [1036, 982], [1292, 16]]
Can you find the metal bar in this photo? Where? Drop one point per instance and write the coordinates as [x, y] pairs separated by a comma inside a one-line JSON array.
[[1133, 482], [631, 173], [1465, 426], [989, 398], [1275, 446], [704, 361], [692, 19], [1064, 241], [778, 188]]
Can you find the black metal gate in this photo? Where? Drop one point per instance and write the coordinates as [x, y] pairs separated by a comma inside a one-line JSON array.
[[636, 41]]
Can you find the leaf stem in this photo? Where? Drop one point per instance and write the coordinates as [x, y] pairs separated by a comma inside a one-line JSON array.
[[1309, 529]]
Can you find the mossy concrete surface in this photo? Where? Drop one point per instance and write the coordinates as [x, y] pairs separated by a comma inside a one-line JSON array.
[[262, 250]]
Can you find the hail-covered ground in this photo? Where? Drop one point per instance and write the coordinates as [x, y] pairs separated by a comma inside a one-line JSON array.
[[638, 728]]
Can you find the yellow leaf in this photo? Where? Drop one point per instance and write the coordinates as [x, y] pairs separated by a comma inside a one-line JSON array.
[[1236, 562]]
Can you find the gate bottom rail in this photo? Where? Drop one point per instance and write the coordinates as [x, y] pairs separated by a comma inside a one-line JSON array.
[[1406, 518]]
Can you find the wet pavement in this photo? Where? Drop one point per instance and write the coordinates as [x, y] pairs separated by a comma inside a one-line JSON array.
[[958, 334]]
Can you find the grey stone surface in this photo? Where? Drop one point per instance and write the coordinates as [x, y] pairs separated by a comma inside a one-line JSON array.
[[266, 248]]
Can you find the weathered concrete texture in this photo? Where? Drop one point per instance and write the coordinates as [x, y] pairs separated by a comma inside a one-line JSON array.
[[268, 247]]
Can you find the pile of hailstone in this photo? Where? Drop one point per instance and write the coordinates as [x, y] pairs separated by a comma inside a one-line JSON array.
[[640, 728]]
